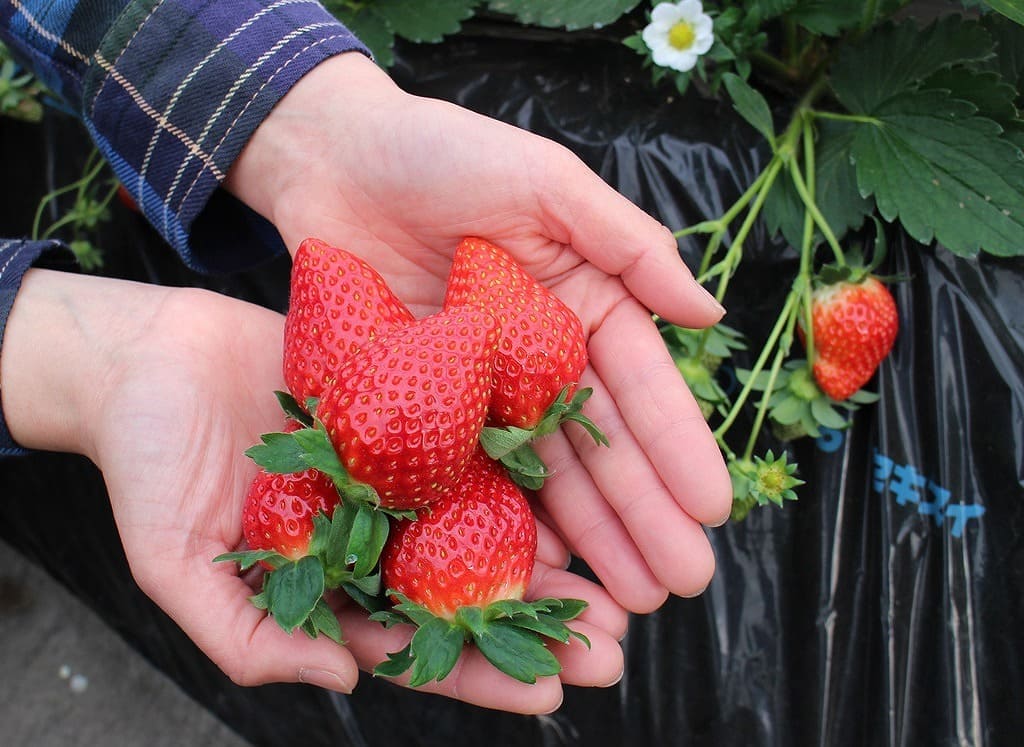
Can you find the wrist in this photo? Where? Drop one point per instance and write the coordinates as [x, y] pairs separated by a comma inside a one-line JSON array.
[[64, 339], [300, 133]]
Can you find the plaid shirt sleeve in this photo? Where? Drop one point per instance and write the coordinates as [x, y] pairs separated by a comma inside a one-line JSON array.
[[171, 90]]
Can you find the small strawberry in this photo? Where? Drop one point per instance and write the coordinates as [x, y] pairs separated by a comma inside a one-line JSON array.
[[338, 303], [404, 414], [279, 509], [459, 572], [540, 358], [309, 542], [854, 322], [542, 351]]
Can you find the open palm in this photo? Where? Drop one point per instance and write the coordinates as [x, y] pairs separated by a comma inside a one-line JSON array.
[[402, 182]]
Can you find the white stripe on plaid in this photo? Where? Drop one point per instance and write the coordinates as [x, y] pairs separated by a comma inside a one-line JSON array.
[[159, 119], [47, 34], [236, 86], [196, 70], [265, 83]]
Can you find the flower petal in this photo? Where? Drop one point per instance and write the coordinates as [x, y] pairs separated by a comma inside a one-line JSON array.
[[667, 13]]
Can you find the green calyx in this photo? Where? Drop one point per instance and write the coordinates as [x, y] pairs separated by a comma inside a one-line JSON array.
[[760, 481], [513, 447], [344, 551], [798, 407], [509, 633]]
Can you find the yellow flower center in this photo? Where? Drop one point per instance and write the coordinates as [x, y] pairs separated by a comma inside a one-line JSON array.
[[681, 36]]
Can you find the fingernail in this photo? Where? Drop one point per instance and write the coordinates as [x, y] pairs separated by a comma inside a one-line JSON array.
[[324, 679], [695, 594], [710, 299], [722, 522], [618, 679], [561, 698]]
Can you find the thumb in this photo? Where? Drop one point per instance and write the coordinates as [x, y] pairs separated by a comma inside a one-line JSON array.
[[247, 644], [621, 239]]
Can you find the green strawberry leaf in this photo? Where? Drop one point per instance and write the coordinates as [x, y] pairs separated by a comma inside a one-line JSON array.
[[827, 17], [435, 647], [835, 180], [389, 619], [293, 590], [568, 14], [499, 442], [1009, 41], [424, 22], [564, 609], [545, 625], [516, 652], [751, 105], [509, 608], [366, 540], [397, 663], [945, 173], [1012, 9], [323, 620], [893, 59], [991, 95], [292, 409], [471, 619], [246, 559], [279, 453], [370, 27]]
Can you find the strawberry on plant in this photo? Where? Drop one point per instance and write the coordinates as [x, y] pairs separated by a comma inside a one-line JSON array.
[[459, 573], [539, 361], [854, 324], [338, 303]]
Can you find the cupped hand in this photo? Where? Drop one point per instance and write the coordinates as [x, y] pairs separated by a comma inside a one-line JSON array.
[[348, 157], [170, 387]]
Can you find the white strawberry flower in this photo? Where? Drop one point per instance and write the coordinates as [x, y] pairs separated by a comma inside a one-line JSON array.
[[678, 34]]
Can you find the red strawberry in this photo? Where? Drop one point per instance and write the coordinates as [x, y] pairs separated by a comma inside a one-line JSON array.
[[279, 509], [405, 413], [476, 545], [542, 350], [855, 324], [338, 304], [459, 572]]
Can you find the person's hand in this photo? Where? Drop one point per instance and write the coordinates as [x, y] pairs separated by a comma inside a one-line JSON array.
[[349, 158], [164, 389]]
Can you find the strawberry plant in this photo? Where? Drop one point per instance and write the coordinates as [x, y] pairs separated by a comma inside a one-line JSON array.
[[876, 116]]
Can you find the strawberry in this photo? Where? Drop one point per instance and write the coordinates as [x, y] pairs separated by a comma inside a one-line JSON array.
[[279, 509], [337, 304], [405, 413], [542, 351], [475, 546], [854, 321], [540, 358], [459, 572], [309, 542]]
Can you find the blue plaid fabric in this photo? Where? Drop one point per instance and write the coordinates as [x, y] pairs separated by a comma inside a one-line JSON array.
[[170, 91]]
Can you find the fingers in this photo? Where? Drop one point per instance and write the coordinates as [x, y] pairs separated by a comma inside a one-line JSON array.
[[621, 239], [247, 644], [661, 415], [661, 478], [475, 680]]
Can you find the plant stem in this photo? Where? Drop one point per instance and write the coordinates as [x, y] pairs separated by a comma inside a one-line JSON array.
[[812, 208], [807, 240], [837, 116], [780, 324]]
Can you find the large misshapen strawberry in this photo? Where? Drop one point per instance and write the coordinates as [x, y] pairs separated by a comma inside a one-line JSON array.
[[459, 573], [338, 303], [403, 416], [854, 322], [540, 358]]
